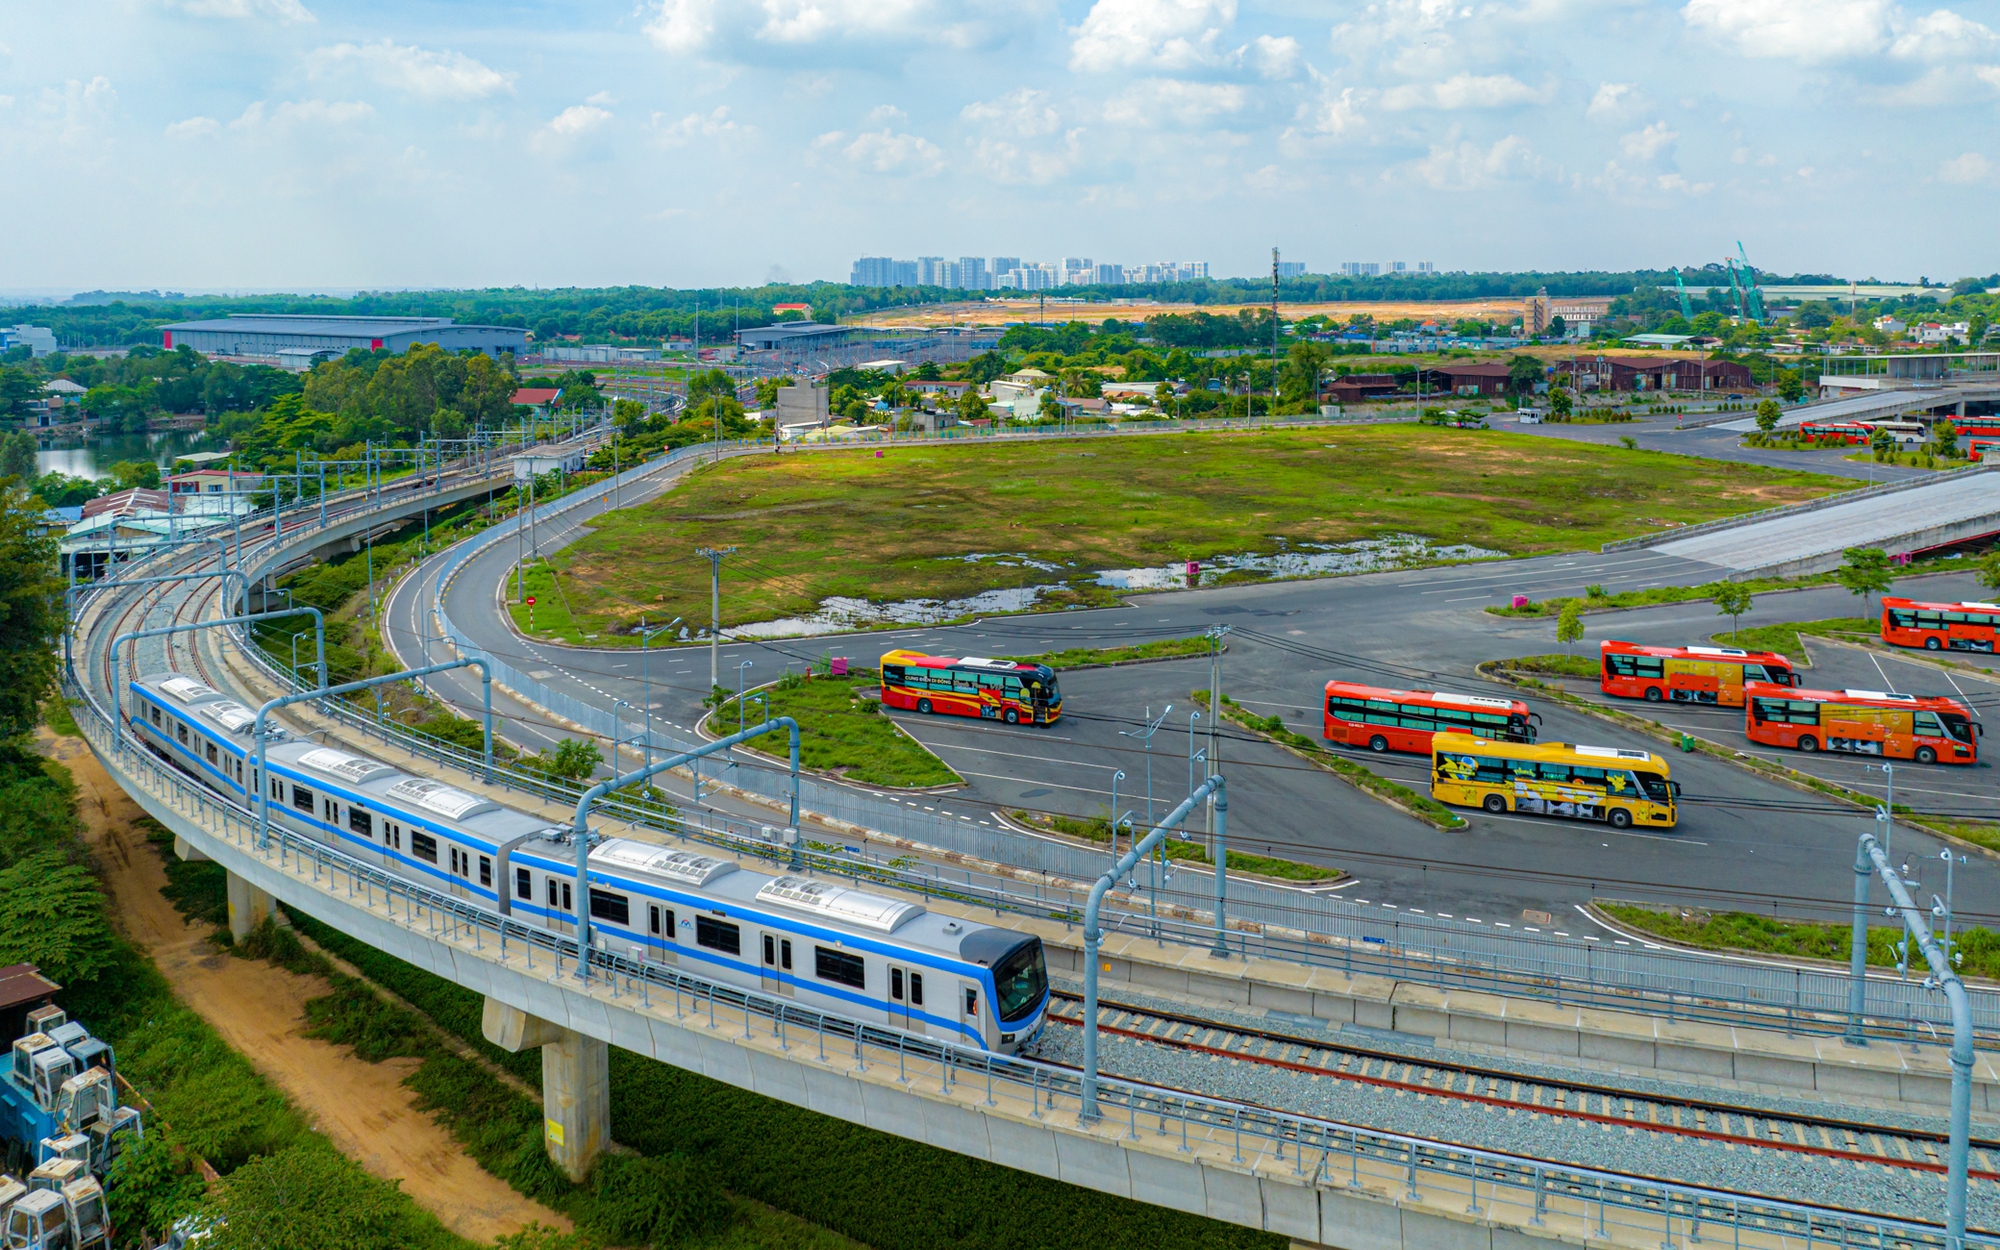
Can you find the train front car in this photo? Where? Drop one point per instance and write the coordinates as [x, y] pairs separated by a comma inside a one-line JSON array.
[[1017, 984]]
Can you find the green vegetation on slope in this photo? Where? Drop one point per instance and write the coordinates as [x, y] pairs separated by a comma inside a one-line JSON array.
[[887, 1191], [910, 524], [1810, 939], [1784, 638]]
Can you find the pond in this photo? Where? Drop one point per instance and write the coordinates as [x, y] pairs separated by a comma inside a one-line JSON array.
[[92, 458], [1371, 555]]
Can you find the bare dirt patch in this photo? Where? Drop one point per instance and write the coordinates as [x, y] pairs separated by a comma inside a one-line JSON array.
[[259, 1009]]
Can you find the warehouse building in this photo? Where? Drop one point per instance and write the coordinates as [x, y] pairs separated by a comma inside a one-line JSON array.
[[285, 337]]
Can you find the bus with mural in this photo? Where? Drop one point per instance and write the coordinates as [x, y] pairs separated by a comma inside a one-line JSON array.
[[1939, 626], [1002, 690], [1404, 720], [1930, 729], [1714, 675], [1622, 788]]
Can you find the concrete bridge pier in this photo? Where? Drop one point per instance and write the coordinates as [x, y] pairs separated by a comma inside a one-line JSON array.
[[248, 907], [576, 1083]]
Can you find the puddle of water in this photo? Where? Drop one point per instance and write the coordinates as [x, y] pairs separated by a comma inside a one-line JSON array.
[[841, 613], [1372, 555], [1006, 559]]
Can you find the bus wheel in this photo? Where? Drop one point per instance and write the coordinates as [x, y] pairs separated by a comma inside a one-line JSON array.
[[1808, 743], [1926, 756], [1495, 803], [1378, 744], [1619, 818], [1012, 717], [1932, 644], [1652, 694], [924, 706]]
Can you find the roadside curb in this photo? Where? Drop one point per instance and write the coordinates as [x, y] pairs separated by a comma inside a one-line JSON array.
[[1192, 865], [1150, 659], [701, 730], [1320, 763], [1716, 751]]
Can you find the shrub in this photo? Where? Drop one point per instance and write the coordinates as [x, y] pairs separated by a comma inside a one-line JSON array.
[[663, 1201]]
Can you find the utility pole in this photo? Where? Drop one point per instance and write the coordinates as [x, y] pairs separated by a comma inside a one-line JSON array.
[[1274, 332], [1215, 635], [714, 558]]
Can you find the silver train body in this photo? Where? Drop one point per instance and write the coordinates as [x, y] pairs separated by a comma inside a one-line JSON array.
[[865, 956]]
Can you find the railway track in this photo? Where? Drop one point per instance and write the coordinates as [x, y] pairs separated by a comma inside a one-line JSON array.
[[1724, 1123]]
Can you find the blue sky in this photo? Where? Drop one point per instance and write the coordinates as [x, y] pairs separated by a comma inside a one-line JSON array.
[[310, 143]]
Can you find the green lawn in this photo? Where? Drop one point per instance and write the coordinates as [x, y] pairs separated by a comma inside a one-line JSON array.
[[1765, 935], [1164, 649], [1784, 638], [840, 732], [903, 525], [1584, 665], [1098, 829]]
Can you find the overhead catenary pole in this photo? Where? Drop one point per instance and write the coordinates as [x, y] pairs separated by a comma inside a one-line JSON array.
[[714, 558], [1274, 333]]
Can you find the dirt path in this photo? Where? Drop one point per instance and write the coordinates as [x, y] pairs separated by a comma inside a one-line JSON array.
[[260, 1009]]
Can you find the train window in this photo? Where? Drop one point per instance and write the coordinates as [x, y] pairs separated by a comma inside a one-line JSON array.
[[361, 822], [302, 798], [916, 989], [559, 895], [394, 836], [605, 905], [332, 813], [424, 846], [770, 950], [277, 789], [181, 732], [213, 758], [896, 984], [660, 921], [156, 715], [456, 861], [485, 871], [716, 935], [971, 1002], [839, 966], [785, 954], [524, 883]]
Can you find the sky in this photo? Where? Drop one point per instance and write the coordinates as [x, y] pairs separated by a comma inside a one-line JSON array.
[[321, 144]]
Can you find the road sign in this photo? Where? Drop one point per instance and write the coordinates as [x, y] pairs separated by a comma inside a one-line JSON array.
[[531, 601]]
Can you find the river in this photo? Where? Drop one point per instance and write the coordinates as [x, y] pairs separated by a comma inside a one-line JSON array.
[[93, 458]]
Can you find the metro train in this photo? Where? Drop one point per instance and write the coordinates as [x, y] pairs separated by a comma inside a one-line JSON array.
[[864, 956]]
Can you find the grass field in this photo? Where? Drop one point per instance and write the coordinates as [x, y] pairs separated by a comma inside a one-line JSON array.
[[841, 732], [1765, 935], [1784, 638], [946, 523]]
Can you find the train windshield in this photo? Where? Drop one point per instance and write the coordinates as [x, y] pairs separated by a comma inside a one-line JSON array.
[[1019, 981]]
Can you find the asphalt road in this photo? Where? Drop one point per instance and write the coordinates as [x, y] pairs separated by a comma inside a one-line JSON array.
[[1743, 841], [1715, 443]]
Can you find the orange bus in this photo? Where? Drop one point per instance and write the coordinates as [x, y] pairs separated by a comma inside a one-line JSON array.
[[1927, 729], [1020, 694], [1404, 720], [1689, 674], [1939, 626]]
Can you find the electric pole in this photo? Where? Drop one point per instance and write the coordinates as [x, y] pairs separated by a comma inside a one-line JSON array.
[[1274, 332], [714, 558]]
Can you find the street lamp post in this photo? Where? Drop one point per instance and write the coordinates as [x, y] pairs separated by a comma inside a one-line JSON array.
[[739, 693]]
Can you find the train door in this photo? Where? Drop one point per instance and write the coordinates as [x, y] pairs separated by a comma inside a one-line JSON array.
[[561, 905], [777, 964], [906, 998]]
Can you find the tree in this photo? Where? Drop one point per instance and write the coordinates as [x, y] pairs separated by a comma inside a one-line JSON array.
[[1768, 413], [1882, 443], [630, 415], [1522, 374], [17, 457], [132, 474], [971, 405], [1791, 386], [708, 382], [1557, 327], [1989, 571], [572, 760], [304, 1197], [1569, 624], [1865, 572], [52, 916], [31, 614], [985, 367], [1560, 403], [448, 423], [1944, 436], [59, 490], [1732, 599]]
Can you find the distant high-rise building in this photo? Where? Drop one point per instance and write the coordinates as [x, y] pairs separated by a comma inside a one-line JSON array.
[[1360, 268], [969, 274], [931, 271], [1108, 274], [1004, 264], [1397, 266], [1426, 267], [1291, 269], [883, 271]]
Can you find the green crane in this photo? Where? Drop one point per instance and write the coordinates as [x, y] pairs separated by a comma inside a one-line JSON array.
[[1753, 296], [1687, 312]]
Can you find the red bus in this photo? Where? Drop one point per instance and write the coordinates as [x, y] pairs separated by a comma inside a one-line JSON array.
[[1853, 433], [1977, 446], [1689, 674], [1927, 729], [1939, 626], [1020, 694], [1404, 720]]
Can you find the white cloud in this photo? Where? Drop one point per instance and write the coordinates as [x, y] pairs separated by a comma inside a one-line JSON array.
[[414, 71], [1613, 99], [1818, 31], [1156, 100], [1969, 168], [1161, 34], [884, 151], [1648, 144], [283, 10], [883, 114], [568, 128], [194, 128], [1465, 166], [1276, 58], [294, 113], [1335, 114], [682, 27], [1025, 112], [809, 21], [1463, 91], [712, 125]]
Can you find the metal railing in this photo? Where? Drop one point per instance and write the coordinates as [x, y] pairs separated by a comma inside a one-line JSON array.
[[1321, 1151]]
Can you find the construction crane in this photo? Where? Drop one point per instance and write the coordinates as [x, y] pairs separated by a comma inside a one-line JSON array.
[[1753, 297], [1687, 312]]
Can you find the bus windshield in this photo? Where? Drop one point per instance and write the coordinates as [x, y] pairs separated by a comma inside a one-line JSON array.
[[1019, 981], [1959, 727]]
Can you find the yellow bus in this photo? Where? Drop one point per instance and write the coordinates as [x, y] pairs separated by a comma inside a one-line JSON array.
[[1619, 787]]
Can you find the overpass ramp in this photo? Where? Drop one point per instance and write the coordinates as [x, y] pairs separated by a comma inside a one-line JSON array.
[[1900, 518]]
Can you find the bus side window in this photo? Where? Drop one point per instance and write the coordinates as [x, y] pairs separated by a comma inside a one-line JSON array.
[[892, 675]]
